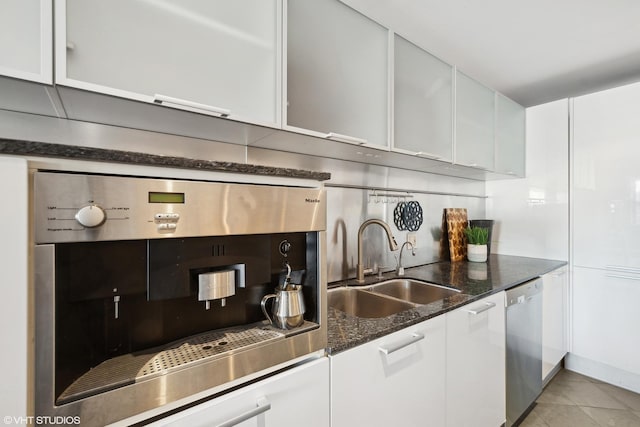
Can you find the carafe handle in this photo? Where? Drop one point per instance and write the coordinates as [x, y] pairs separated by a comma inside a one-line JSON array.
[[263, 304]]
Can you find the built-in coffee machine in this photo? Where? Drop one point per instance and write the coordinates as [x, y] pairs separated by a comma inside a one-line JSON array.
[[148, 291]]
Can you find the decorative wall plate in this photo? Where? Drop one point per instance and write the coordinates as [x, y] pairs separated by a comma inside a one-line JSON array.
[[412, 216]]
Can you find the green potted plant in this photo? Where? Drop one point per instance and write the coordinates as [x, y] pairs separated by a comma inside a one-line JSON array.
[[477, 238]]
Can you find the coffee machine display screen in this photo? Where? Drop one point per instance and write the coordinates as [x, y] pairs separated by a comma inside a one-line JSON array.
[[159, 197]]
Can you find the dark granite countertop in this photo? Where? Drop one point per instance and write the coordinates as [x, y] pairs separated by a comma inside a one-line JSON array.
[[42, 149], [474, 280]]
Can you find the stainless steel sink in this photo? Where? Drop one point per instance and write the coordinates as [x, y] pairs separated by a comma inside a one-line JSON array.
[[414, 291], [361, 303]]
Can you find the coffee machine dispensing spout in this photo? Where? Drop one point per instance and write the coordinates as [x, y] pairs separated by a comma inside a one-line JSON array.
[[216, 285], [220, 284]]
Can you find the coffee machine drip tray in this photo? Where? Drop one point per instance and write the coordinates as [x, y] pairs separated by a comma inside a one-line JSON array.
[[140, 366]]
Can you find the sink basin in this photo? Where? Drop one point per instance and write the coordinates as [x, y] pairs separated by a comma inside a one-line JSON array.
[[361, 303], [413, 290]]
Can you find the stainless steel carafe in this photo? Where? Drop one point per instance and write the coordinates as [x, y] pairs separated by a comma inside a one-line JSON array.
[[288, 307]]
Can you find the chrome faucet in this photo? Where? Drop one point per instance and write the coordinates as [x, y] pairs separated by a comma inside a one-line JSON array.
[[400, 268], [392, 243]]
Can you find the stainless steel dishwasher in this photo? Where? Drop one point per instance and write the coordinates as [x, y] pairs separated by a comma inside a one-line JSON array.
[[524, 349]]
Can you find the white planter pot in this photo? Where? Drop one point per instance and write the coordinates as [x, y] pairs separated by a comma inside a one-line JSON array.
[[477, 253]]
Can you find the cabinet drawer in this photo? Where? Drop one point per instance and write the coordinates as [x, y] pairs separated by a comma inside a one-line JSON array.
[[394, 380], [299, 396]]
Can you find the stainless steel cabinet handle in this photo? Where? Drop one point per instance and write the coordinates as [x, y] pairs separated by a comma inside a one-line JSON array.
[[620, 268], [183, 103], [345, 138], [262, 405], [622, 276], [476, 166], [487, 306], [415, 337], [428, 155]]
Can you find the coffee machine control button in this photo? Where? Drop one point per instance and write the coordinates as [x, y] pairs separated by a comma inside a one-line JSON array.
[[91, 216], [172, 217], [167, 226]]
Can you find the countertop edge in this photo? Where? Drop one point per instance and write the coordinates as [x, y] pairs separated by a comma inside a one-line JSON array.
[[45, 149], [418, 315]]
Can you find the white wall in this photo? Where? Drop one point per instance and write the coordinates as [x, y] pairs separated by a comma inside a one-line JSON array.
[[14, 279], [532, 214]]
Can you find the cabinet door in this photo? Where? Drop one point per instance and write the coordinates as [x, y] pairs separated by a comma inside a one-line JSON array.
[[423, 102], [554, 319], [475, 117], [26, 35], [210, 56], [337, 78], [510, 137], [476, 364], [605, 317], [298, 397], [606, 185], [397, 380]]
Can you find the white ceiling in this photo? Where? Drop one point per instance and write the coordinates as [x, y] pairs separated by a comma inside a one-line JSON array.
[[533, 51]]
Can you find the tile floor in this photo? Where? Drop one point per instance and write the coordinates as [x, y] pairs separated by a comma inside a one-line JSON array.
[[573, 400]]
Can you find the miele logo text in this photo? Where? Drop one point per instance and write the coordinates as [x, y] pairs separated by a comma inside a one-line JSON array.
[[308, 200]]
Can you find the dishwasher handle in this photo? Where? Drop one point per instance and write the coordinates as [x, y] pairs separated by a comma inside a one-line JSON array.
[[524, 293]]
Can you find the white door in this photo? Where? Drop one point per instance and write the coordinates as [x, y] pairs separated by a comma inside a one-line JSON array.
[[337, 77], [476, 364], [210, 56], [510, 137], [605, 318], [475, 122], [423, 102], [554, 319], [26, 39], [606, 178], [397, 380]]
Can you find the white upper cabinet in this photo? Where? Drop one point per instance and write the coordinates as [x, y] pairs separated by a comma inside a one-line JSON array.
[[26, 40], [510, 137], [606, 179], [475, 123], [337, 73], [214, 57], [423, 102]]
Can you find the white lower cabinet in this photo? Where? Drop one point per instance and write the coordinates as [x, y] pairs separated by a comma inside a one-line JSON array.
[[554, 319], [605, 322], [297, 397], [397, 380], [475, 369]]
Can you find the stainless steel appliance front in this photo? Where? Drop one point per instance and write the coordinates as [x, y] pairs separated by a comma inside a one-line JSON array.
[[121, 326], [524, 349]]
